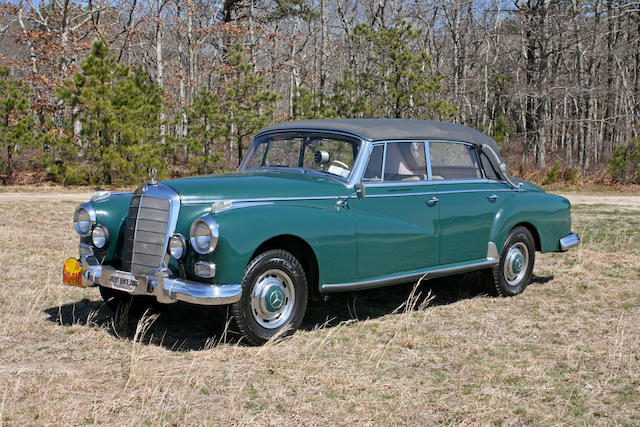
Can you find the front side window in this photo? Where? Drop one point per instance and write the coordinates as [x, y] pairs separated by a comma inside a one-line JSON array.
[[330, 154], [405, 161], [373, 172], [454, 161]]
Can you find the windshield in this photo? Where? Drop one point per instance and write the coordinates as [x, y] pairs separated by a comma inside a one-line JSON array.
[[331, 154]]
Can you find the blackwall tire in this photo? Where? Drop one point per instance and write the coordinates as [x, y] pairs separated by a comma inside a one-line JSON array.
[[513, 273], [274, 297]]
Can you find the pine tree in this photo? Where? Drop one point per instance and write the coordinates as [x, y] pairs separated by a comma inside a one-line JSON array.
[[206, 127], [248, 104], [119, 112], [16, 121]]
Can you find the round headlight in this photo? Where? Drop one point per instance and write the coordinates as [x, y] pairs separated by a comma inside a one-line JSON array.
[[204, 234], [100, 237], [177, 246], [83, 218]]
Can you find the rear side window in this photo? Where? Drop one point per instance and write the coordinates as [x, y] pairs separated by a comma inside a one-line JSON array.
[[454, 161], [489, 171]]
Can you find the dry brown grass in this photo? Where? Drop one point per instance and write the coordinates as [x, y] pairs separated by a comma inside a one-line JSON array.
[[567, 351]]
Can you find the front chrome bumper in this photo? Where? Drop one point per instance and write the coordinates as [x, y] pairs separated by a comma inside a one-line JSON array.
[[166, 290], [569, 241]]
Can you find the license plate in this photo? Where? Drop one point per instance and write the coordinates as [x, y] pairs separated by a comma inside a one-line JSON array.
[[123, 281]]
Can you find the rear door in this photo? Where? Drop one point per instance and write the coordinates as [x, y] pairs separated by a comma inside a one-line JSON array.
[[396, 223], [469, 199]]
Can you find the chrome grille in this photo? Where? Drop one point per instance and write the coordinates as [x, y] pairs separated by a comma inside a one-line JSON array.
[[145, 233]]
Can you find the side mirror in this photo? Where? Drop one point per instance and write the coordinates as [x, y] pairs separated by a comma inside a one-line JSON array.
[[360, 190]]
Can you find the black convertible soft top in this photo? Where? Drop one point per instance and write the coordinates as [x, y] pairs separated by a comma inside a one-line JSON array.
[[385, 129]]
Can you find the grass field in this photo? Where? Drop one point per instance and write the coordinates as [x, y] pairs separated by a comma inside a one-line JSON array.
[[566, 351]]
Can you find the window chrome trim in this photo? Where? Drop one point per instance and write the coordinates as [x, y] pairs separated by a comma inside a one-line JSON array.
[[430, 193], [373, 147], [427, 149], [430, 182], [313, 130], [427, 155], [501, 165]]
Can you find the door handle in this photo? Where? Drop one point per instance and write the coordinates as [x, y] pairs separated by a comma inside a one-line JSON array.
[[342, 203], [493, 197], [433, 201]]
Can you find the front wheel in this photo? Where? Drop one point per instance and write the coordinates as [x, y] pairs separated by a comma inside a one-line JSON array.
[[122, 302], [513, 274], [274, 297]]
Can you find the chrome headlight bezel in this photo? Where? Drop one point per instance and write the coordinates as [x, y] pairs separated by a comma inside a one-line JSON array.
[[177, 242], [84, 225], [205, 242], [100, 236]]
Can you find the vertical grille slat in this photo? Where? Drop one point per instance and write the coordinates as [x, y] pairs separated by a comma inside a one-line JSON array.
[[145, 231]]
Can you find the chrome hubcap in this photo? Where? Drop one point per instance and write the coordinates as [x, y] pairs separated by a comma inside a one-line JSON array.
[[272, 299], [515, 263]]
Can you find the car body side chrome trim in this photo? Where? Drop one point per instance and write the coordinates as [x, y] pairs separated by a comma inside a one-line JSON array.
[[569, 241], [99, 196], [238, 205], [429, 193], [246, 203], [427, 273]]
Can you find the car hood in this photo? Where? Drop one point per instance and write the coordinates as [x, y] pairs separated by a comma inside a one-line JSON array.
[[256, 185]]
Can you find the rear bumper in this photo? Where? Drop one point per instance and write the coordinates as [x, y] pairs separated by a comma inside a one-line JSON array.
[[166, 290], [569, 241]]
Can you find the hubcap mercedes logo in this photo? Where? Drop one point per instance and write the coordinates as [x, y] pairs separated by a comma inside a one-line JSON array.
[[275, 300]]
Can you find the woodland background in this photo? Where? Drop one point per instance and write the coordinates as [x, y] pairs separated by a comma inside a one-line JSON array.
[[96, 92]]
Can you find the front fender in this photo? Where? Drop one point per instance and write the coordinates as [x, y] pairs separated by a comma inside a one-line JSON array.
[[112, 213], [549, 214], [328, 229]]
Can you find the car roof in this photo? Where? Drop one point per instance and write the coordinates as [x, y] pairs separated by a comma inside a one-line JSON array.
[[386, 129]]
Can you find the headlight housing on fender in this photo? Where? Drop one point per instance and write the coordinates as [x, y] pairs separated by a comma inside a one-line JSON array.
[[100, 236], [177, 247], [204, 234], [83, 219]]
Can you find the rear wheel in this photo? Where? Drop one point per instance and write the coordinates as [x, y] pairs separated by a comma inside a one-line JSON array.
[[513, 273], [274, 297]]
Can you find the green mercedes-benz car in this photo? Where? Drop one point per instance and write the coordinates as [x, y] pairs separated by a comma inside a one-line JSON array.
[[321, 206]]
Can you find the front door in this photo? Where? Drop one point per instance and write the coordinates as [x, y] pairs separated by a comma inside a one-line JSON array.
[[397, 221]]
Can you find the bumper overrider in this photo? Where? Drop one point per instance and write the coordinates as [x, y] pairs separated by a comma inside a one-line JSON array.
[[166, 289], [569, 241]]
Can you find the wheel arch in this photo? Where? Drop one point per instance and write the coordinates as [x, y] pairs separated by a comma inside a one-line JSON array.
[[534, 232], [299, 248]]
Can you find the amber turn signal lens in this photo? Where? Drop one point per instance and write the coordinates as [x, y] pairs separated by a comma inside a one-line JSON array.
[[72, 273]]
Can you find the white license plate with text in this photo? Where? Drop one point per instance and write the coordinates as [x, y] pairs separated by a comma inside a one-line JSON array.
[[123, 281]]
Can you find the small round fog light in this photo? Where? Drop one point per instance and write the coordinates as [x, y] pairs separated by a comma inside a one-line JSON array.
[[178, 246], [100, 237]]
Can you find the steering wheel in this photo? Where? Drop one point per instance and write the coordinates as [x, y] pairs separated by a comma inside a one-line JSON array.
[[343, 165]]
